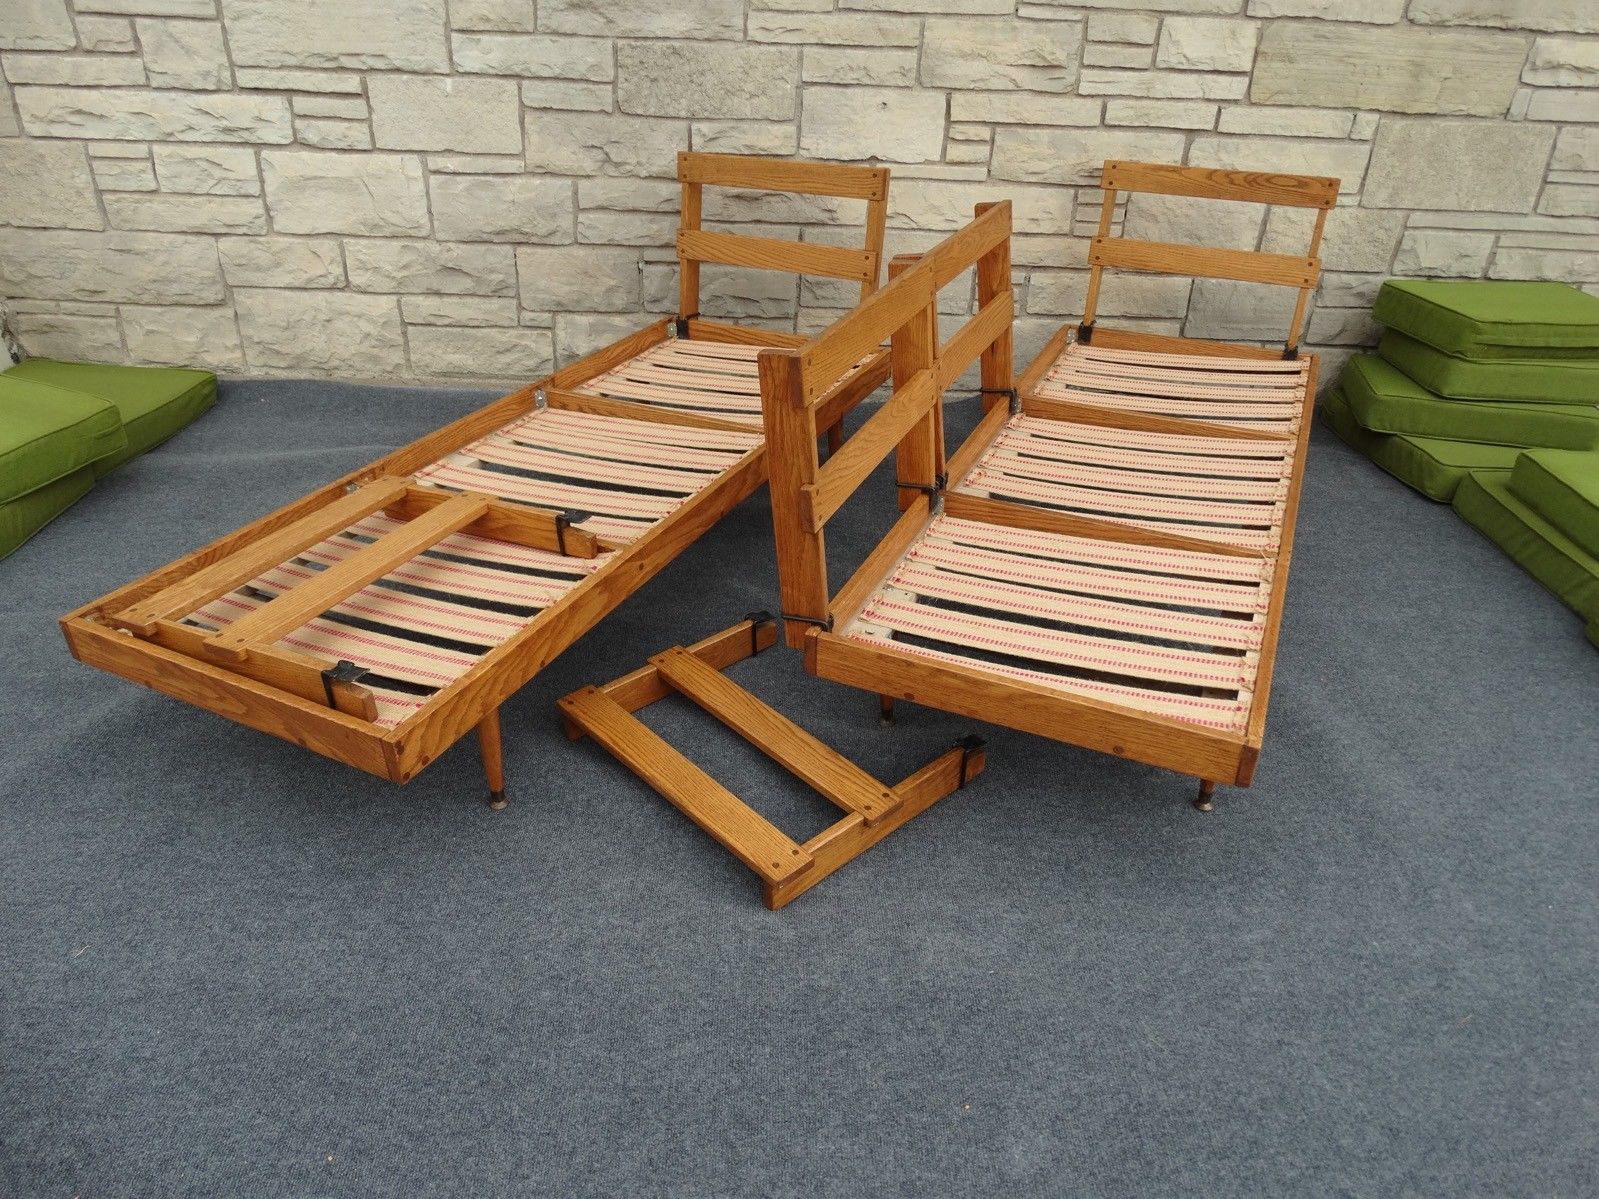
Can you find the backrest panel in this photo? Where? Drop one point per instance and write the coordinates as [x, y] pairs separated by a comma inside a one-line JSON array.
[[695, 245], [1252, 266], [806, 493]]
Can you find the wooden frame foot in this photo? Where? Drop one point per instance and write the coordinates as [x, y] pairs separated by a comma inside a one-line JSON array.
[[885, 709], [1203, 801], [488, 740]]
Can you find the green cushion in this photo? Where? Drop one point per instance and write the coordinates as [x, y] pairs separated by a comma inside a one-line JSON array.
[[24, 516], [47, 433], [1562, 486], [1486, 503], [1434, 466], [1555, 381], [1491, 319], [155, 401], [1386, 400]]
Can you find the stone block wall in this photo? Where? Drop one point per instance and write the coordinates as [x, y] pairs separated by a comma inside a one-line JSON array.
[[470, 190]]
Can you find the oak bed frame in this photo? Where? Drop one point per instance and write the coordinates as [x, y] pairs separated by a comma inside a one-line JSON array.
[[378, 619], [1104, 560]]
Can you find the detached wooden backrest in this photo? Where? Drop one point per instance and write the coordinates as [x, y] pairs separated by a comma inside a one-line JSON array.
[[806, 493], [1170, 258], [696, 245]]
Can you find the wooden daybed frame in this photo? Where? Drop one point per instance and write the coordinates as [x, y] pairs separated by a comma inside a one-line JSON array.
[[328, 622], [1104, 560]]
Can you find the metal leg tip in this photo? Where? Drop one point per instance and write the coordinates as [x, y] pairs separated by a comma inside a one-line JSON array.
[[497, 801], [1202, 801]]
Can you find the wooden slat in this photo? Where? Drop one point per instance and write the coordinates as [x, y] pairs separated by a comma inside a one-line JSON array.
[[222, 576], [1042, 520], [808, 759], [608, 357], [998, 370], [793, 464], [1048, 408], [289, 670], [782, 174], [872, 442], [700, 329], [964, 247], [887, 553], [576, 401], [1173, 258], [1212, 183], [1163, 343], [732, 823], [992, 321], [776, 254], [517, 524], [850, 338], [294, 607]]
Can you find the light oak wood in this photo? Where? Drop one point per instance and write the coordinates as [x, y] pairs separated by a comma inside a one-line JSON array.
[[490, 747], [224, 574], [918, 445], [863, 331], [571, 401], [848, 839], [719, 651], [846, 470], [732, 823], [825, 770], [994, 284], [770, 253], [1212, 183], [294, 607], [782, 174], [791, 435], [517, 524], [1110, 418], [1174, 258], [1042, 520]]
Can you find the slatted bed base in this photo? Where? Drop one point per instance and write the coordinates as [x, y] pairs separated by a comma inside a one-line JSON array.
[[786, 868], [1253, 393], [1214, 488]]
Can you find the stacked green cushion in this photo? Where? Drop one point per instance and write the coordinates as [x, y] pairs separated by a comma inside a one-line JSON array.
[[1562, 486], [154, 402], [1487, 502], [1547, 381], [1434, 466], [1483, 320], [1386, 400]]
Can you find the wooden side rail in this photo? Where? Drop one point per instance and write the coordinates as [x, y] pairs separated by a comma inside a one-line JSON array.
[[805, 494], [696, 171], [1205, 183]]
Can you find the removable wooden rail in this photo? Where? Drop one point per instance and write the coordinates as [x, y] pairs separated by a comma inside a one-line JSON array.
[[1103, 561], [382, 617], [786, 868]]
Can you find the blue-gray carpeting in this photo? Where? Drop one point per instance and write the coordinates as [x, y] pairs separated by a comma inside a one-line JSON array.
[[233, 968]]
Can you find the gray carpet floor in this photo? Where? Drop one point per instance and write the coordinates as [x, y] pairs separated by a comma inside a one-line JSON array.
[[233, 968]]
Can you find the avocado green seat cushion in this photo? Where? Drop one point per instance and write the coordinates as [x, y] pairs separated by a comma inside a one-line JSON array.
[[1386, 400], [50, 441], [154, 401], [1550, 381], [24, 516], [1486, 502], [1484, 319], [1434, 466], [1562, 486]]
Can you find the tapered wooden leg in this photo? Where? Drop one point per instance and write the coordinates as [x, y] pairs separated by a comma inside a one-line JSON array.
[[1202, 801], [835, 437], [885, 709], [488, 740]]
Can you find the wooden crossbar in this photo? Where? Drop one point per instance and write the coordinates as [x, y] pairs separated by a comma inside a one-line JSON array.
[[852, 337], [776, 254], [829, 772], [1210, 183], [1174, 258], [787, 175], [518, 524], [299, 604], [222, 576], [732, 823], [837, 479]]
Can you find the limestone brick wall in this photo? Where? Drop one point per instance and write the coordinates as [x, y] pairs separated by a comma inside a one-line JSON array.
[[468, 190]]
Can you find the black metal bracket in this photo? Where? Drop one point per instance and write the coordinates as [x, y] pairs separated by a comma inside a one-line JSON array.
[[680, 324], [1085, 332], [564, 521], [826, 624], [968, 745], [1290, 353], [757, 619], [929, 489], [342, 671], [1010, 394]]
